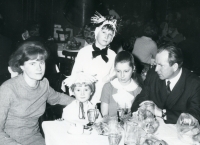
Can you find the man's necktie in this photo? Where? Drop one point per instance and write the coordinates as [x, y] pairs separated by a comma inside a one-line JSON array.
[[168, 87], [81, 111], [102, 52]]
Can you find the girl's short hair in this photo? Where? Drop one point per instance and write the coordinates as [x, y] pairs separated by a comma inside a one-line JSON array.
[[28, 50], [125, 56], [91, 86]]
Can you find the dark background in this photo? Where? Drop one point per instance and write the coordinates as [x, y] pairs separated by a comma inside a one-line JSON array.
[[19, 14]]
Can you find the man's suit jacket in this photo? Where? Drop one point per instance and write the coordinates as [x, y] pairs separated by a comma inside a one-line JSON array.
[[185, 96]]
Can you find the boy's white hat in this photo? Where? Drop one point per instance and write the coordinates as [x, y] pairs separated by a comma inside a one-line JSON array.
[[98, 18], [79, 77]]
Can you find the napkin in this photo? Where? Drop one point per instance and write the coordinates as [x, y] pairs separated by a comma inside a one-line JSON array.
[[123, 97]]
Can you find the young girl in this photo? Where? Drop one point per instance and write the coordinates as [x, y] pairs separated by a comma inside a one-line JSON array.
[[122, 91], [82, 89], [98, 59]]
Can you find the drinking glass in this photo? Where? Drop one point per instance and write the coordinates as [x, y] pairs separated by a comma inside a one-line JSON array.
[[131, 133], [150, 106], [114, 138], [126, 109], [91, 113]]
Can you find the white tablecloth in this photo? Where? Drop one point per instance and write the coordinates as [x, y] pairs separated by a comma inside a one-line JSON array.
[[56, 134], [168, 133]]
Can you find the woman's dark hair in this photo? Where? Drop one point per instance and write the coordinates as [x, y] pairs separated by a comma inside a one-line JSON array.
[[175, 54], [28, 50], [125, 56]]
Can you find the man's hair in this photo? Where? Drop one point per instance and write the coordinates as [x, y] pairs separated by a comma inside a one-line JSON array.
[[175, 54]]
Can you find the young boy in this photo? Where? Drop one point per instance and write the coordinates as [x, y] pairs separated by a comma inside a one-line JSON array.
[[82, 89], [97, 59]]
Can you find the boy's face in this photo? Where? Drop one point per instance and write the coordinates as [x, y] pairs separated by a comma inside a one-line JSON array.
[[104, 37], [82, 92]]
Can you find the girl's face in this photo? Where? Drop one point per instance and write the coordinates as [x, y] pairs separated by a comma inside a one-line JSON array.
[[104, 37], [124, 72], [82, 92], [33, 70]]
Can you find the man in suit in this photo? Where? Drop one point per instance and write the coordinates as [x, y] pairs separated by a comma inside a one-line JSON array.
[[180, 97]]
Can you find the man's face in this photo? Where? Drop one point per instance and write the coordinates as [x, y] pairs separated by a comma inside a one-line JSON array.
[[163, 68]]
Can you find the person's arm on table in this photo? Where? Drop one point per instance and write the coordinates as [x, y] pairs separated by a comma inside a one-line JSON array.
[[5, 99]]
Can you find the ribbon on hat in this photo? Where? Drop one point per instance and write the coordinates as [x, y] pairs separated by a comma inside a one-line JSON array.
[[79, 77], [102, 52]]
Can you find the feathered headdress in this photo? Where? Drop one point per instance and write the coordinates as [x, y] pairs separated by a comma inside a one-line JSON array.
[[78, 78], [98, 19]]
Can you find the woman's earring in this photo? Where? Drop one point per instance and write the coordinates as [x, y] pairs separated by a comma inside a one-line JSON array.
[[134, 69]]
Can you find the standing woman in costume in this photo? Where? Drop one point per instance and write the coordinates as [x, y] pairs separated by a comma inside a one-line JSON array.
[[97, 60]]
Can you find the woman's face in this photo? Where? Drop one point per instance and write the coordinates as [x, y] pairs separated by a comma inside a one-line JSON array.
[[124, 72], [33, 70], [82, 92]]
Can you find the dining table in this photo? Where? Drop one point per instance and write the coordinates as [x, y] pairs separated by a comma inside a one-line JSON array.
[[56, 133], [61, 48]]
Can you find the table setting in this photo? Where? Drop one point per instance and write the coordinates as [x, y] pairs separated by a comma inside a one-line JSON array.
[[138, 128], [63, 132]]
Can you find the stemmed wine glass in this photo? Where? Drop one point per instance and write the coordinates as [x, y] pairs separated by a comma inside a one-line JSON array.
[[92, 116], [122, 111]]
